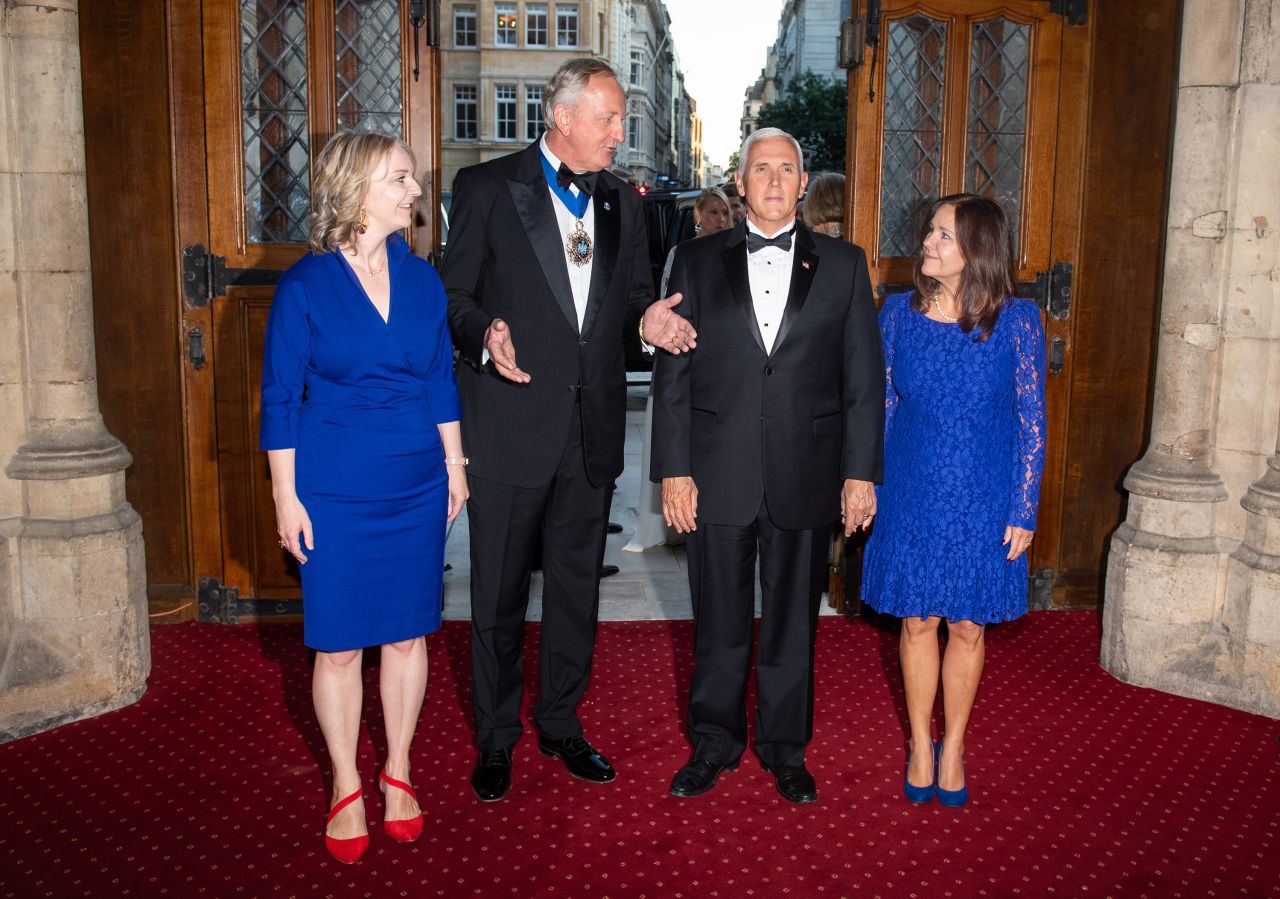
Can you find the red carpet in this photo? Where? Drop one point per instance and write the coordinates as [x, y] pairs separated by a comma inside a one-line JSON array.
[[212, 786]]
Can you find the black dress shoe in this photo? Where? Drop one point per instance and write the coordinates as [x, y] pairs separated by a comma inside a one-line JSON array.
[[614, 528], [609, 570], [582, 761], [696, 777], [795, 783], [491, 778]]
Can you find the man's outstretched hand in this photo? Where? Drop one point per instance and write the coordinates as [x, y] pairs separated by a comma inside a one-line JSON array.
[[666, 329], [502, 352]]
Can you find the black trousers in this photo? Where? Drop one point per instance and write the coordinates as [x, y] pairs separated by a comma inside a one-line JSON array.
[[722, 561], [568, 515]]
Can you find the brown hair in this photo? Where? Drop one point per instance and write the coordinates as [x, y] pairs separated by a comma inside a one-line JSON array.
[[986, 245], [341, 182], [824, 200]]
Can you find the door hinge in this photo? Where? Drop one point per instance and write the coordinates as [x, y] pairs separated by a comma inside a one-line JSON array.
[[1076, 12], [205, 276], [1040, 594], [851, 49], [218, 604], [1052, 291]]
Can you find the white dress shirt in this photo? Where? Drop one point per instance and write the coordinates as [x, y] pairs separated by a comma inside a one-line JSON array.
[[769, 271], [579, 275]]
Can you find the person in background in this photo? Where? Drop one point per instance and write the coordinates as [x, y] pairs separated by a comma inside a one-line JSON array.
[[964, 451], [360, 423], [547, 255], [736, 209], [710, 216], [823, 209], [763, 437]]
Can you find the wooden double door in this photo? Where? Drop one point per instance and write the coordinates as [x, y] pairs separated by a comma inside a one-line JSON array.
[[1060, 111], [1062, 115], [279, 78]]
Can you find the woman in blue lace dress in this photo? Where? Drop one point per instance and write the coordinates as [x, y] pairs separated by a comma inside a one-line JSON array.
[[964, 450]]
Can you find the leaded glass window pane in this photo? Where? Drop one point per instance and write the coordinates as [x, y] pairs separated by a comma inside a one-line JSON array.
[[273, 91], [367, 38], [997, 117], [915, 72]]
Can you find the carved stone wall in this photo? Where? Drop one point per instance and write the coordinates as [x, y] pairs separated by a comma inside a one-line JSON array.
[[73, 614], [1192, 600]]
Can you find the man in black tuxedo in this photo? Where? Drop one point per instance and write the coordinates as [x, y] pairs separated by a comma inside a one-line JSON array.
[[762, 437], [547, 255]]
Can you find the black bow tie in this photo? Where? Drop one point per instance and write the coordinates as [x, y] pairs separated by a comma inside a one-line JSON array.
[[586, 182], [759, 241]]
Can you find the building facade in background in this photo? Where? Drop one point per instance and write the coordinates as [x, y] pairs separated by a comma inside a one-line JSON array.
[[808, 41], [498, 55]]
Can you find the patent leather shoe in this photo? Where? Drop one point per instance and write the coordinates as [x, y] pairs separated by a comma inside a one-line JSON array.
[[579, 758], [696, 777], [491, 778], [795, 783]]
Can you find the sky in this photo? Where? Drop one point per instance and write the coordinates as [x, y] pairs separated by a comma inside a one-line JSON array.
[[722, 46]]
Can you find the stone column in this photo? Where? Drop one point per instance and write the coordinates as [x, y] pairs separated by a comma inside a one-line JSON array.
[[74, 632], [1167, 621]]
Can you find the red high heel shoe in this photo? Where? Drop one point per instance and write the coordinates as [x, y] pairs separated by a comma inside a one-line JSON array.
[[347, 851], [405, 830]]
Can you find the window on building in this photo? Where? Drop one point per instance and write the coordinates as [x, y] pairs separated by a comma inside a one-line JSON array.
[[566, 25], [504, 24], [633, 132], [533, 124], [535, 24], [464, 25], [637, 68], [466, 111], [505, 96]]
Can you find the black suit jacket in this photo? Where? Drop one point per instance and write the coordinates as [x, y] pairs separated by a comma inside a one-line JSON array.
[[505, 259], [786, 426]]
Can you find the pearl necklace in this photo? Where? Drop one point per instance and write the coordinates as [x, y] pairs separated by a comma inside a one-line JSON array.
[[945, 317]]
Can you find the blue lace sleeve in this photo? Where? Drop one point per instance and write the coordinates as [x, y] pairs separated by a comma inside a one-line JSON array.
[[890, 312], [1029, 414]]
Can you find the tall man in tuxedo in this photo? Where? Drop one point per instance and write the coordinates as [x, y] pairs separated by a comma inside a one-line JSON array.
[[547, 254], [762, 437]]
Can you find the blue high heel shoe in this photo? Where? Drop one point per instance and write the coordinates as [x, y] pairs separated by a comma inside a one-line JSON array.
[[949, 798], [914, 793]]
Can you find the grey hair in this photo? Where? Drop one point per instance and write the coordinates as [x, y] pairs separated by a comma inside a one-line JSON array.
[[764, 134], [568, 83]]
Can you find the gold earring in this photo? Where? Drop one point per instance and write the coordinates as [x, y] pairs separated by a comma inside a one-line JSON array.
[[362, 221]]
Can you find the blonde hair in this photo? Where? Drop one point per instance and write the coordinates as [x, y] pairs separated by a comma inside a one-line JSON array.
[[709, 194], [340, 183]]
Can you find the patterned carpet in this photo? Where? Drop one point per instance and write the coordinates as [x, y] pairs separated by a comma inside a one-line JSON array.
[[211, 785]]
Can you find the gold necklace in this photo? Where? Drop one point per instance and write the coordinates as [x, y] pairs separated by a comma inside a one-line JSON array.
[[376, 275]]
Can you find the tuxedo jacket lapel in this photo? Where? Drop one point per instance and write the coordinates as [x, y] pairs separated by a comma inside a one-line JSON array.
[[735, 268], [604, 256], [533, 204], [804, 265]]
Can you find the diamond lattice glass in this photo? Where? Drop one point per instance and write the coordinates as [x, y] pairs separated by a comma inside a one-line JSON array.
[[997, 117], [367, 39], [273, 90], [915, 73]]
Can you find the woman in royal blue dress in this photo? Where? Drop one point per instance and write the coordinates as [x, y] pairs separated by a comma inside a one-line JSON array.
[[360, 423], [964, 450]]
